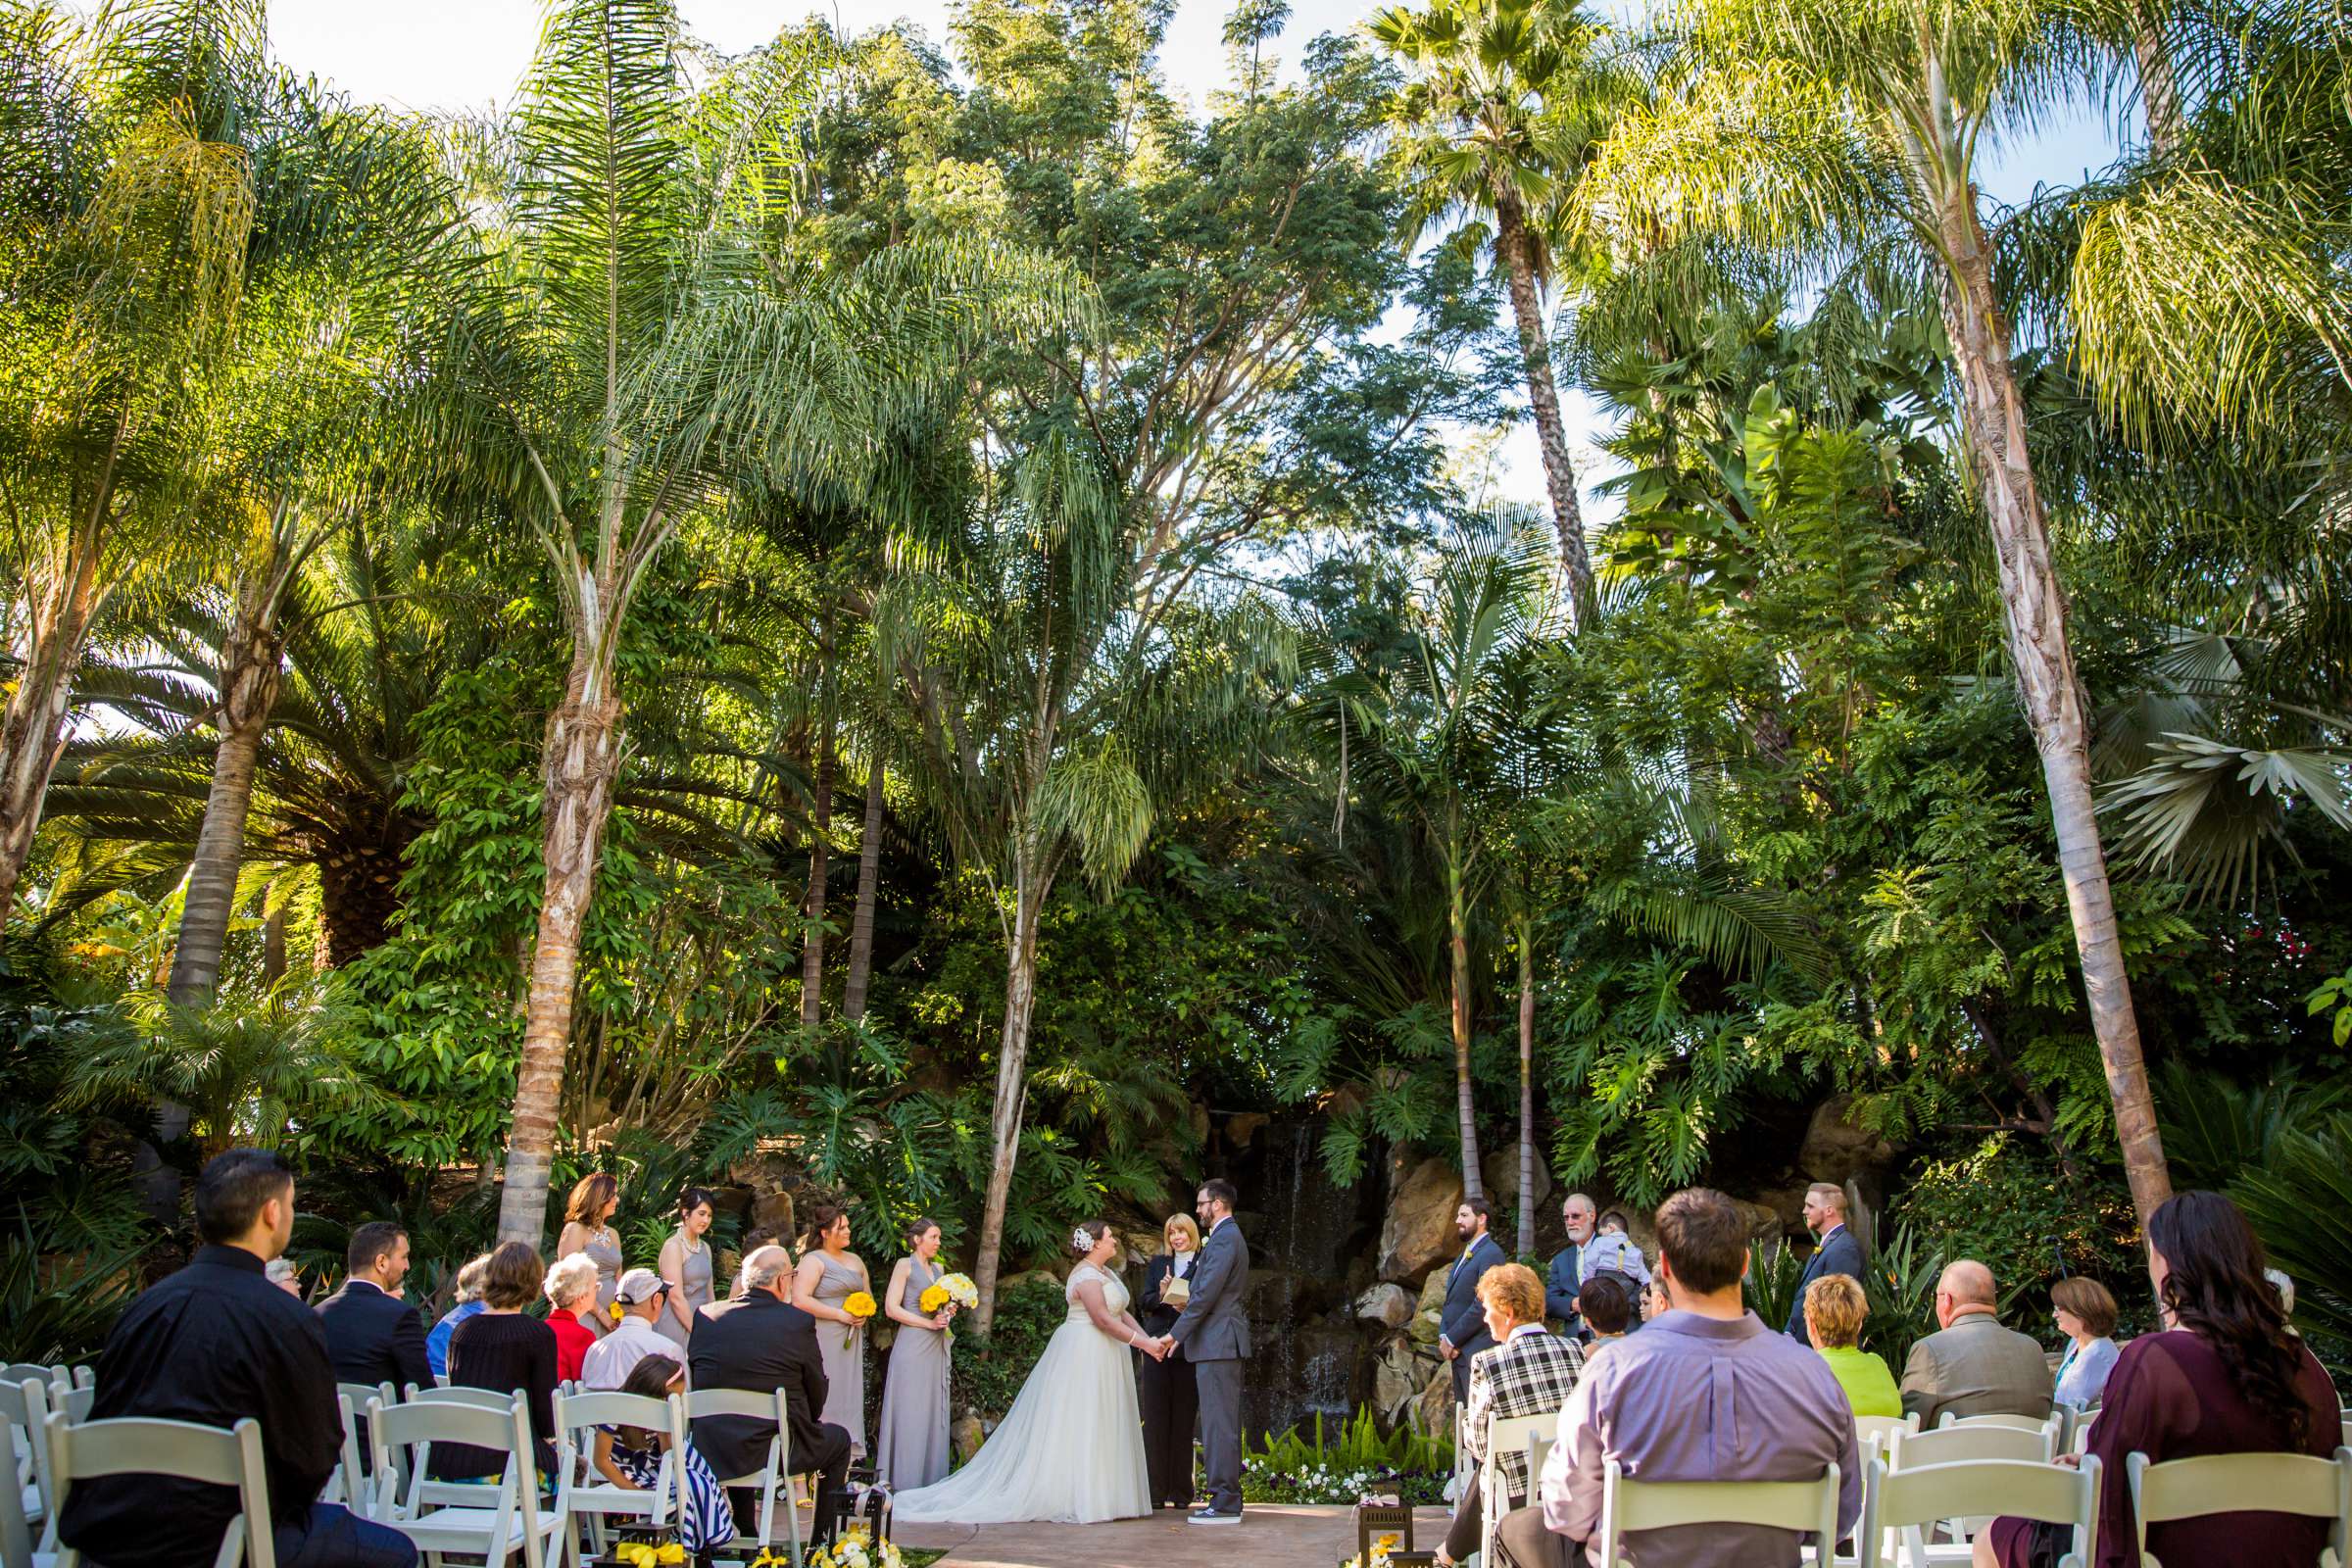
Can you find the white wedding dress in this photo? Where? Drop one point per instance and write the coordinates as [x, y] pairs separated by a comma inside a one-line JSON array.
[[1071, 1448]]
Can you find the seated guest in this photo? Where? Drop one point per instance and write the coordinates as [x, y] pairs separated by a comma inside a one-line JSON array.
[[1839, 1251], [213, 1344], [282, 1273], [2228, 1379], [1706, 1393], [640, 1297], [761, 1341], [1528, 1372], [1835, 1312], [631, 1458], [2284, 1284], [570, 1298], [504, 1350], [469, 1302], [1974, 1366], [1608, 1309], [372, 1336], [1653, 1301], [2086, 1315]]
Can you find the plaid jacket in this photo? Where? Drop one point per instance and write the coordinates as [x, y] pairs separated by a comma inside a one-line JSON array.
[[1532, 1375]]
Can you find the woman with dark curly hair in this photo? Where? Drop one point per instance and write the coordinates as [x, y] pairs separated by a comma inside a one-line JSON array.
[[2226, 1377]]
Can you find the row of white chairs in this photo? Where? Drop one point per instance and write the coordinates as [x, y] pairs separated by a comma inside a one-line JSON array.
[[1955, 1480], [388, 1478]]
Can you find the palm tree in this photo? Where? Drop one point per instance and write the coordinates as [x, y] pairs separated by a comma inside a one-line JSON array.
[[128, 212], [646, 338], [1430, 747], [1503, 109], [1846, 134], [1067, 692]]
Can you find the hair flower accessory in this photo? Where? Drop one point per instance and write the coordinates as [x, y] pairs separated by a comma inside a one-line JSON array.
[[1082, 1239]]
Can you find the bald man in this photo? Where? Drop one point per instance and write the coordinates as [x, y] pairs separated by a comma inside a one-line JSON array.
[[1974, 1366], [760, 1342]]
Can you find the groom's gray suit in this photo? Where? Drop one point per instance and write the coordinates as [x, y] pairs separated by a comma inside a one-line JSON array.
[[1214, 1331]]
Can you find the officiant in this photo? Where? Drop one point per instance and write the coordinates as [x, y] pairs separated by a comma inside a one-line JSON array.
[[1170, 1399]]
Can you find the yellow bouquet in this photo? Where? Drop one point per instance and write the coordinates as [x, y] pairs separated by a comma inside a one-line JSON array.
[[932, 1300], [859, 1306], [637, 1554]]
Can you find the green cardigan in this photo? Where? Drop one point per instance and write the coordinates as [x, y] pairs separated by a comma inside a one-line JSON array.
[[1869, 1386]]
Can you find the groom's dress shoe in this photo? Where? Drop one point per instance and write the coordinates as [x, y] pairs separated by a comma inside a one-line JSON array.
[[1213, 1516]]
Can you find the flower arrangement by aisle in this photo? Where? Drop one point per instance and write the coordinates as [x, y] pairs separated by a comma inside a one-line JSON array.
[[1378, 1556], [1306, 1466], [946, 1289], [853, 1547], [639, 1554]]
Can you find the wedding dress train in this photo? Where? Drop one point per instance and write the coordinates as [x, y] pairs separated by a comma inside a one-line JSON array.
[[1071, 1448]]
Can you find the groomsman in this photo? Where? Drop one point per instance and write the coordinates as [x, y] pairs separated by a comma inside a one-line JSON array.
[[1464, 1323], [1214, 1332], [1839, 1251]]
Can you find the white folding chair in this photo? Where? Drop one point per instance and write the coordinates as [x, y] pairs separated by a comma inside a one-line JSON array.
[[16, 1532], [2078, 1437], [76, 1377], [1907, 1451], [2054, 1423], [700, 1402], [1873, 1433], [85, 1450], [25, 1406], [75, 1403], [349, 1484], [1912, 1501], [1507, 1435], [17, 1371], [1627, 1506], [491, 1520], [458, 1393], [2245, 1483], [584, 1491]]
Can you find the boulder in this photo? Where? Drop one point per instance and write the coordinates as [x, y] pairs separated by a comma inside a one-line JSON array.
[[964, 1437], [774, 1212], [1397, 1378], [1433, 1407], [1392, 1306], [1427, 1312], [1417, 1232], [1242, 1129], [1763, 1220], [1834, 1150], [1500, 1167]]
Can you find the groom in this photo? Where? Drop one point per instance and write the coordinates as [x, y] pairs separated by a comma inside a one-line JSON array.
[[1214, 1331]]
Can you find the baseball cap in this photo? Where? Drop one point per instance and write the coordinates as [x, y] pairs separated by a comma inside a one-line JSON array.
[[638, 1285]]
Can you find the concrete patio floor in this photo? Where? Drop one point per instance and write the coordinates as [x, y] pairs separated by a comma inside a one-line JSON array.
[[1270, 1534]]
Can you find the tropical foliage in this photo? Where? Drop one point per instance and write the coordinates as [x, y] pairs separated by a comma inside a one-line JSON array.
[[928, 615]]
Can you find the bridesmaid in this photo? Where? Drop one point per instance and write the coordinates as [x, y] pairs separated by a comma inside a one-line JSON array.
[[1171, 1396], [685, 1266], [829, 1275], [911, 1449], [588, 1228]]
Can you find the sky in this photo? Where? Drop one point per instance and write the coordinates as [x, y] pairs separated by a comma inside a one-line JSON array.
[[468, 54]]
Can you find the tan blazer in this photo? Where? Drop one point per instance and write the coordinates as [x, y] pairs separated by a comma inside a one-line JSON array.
[[1976, 1367]]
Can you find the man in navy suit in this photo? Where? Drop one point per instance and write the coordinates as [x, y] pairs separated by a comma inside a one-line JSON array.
[[1462, 1325], [1839, 1251], [372, 1336]]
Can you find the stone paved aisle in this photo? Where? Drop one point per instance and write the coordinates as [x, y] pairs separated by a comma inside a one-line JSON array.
[[1273, 1536]]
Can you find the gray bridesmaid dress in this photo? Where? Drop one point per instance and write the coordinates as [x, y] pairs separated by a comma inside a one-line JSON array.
[[844, 1351], [694, 1276], [912, 1448]]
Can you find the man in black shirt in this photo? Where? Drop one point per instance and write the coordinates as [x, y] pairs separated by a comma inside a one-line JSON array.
[[761, 1341], [213, 1344], [372, 1336]]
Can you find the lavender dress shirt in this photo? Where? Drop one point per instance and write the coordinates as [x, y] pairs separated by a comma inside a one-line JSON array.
[[1699, 1399]]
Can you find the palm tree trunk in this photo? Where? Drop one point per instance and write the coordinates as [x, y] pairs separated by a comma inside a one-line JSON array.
[[1457, 921], [820, 866], [249, 681], [1543, 401], [33, 725], [1527, 1091], [861, 918], [2035, 609], [2159, 86], [582, 758], [1013, 1086]]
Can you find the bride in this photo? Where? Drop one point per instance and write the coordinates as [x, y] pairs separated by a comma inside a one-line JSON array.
[[1071, 1448]]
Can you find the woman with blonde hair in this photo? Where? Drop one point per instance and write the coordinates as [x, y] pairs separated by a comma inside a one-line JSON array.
[[1171, 1398], [1835, 1312], [588, 1228]]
